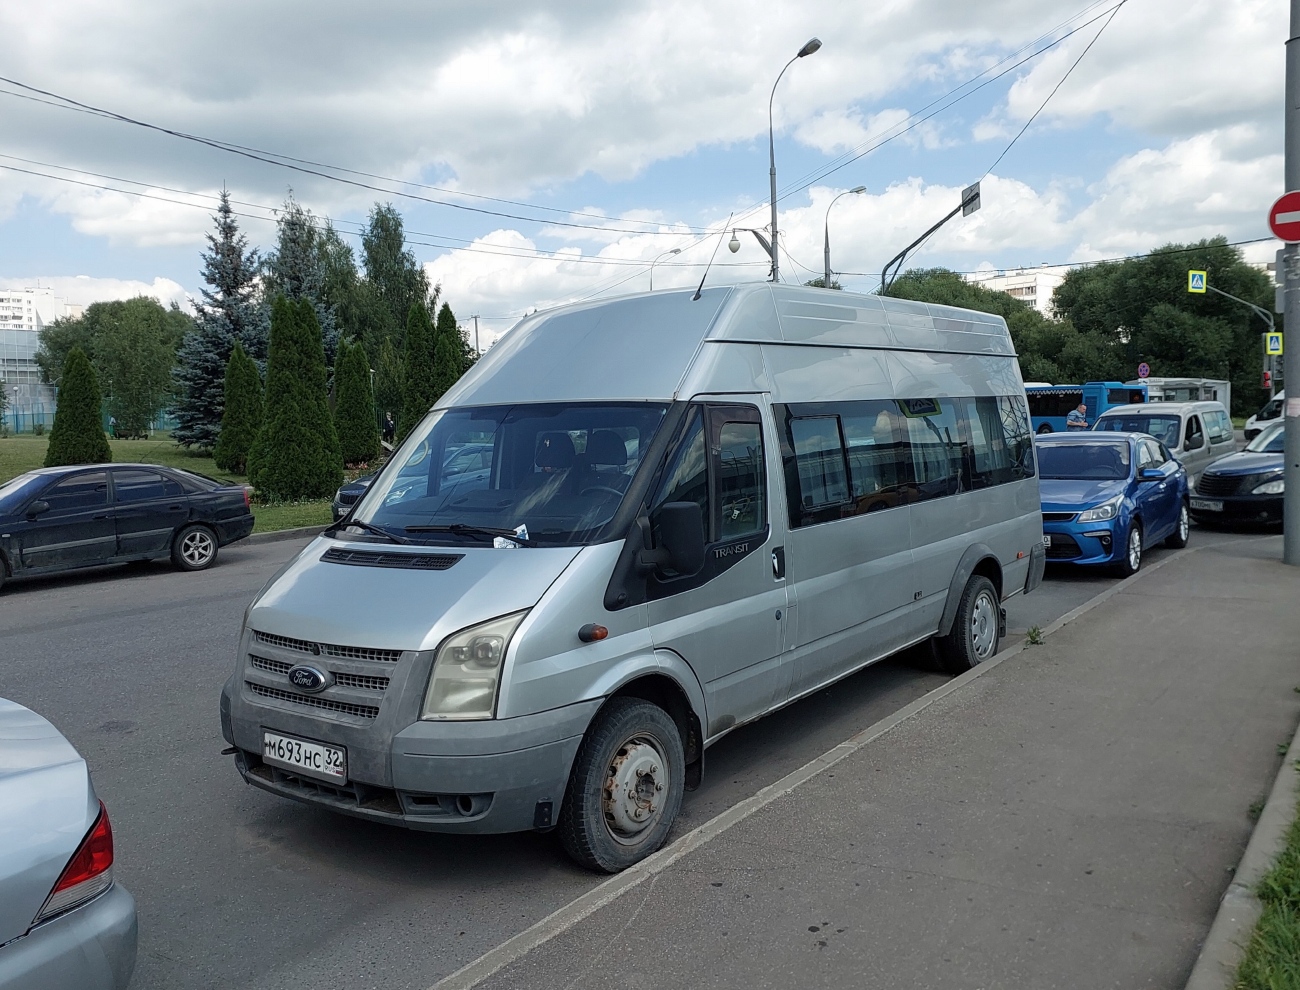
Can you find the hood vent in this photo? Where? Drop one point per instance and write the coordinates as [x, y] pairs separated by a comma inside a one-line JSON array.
[[388, 558]]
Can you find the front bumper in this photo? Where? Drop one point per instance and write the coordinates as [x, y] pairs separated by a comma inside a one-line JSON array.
[[1239, 509], [1083, 543], [90, 948], [496, 775]]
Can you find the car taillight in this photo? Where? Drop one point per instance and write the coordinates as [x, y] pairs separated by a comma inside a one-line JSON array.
[[248, 502], [89, 872]]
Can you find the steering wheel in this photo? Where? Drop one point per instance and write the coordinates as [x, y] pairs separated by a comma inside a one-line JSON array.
[[602, 488]]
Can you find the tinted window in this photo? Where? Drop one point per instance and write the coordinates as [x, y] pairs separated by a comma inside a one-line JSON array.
[[1193, 437], [138, 486], [880, 462], [16, 491], [1154, 453], [1269, 441], [819, 458], [1166, 429], [935, 433], [741, 508], [81, 491], [1060, 402], [1001, 444], [1083, 462]]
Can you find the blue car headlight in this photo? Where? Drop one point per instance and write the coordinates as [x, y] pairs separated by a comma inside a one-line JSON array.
[[1101, 513]]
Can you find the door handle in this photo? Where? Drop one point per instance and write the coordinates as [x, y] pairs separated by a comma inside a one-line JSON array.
[[97, 518], [778, 562]]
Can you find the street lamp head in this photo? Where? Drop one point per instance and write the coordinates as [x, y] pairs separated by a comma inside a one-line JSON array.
[[811, 46], [733, 246], [858, 189], [675, 251]]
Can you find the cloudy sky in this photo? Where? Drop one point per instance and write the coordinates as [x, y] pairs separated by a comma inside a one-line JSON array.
[[550, 151]]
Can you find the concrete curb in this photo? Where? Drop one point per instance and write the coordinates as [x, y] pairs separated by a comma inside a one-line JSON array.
[[1239, 910], [281, 534], [585, 905]]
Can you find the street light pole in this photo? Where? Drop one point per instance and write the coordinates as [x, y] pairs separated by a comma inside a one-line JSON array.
[[1291, 316], [826, 282], [656, 261], [811, 46]]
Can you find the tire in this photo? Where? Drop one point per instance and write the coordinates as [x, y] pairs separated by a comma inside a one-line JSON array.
[[1045, 428], [630, 741], [974, 634], [1131, 562], [1178, 538], [194, 548]]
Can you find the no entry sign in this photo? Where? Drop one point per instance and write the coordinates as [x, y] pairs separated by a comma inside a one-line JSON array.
[[1284, 218]]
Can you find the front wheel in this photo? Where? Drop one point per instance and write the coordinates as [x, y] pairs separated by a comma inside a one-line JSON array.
[[1131, 561], [974, 635], [194, 548], [1178, 538], [625, 788]]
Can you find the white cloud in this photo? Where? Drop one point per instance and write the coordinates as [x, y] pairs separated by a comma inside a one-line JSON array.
[[82, 290]]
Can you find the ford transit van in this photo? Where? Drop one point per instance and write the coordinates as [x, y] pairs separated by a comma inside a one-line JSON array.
[[699, 507]]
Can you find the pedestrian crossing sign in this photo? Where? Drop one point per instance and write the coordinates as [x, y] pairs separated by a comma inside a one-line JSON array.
[[1196, 282], [1273, 343]]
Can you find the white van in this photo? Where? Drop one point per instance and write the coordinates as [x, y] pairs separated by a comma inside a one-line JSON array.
[[1196, 433], [1268, 414], [700, 507]]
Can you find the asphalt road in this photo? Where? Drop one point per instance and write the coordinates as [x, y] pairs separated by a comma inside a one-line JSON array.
[[239, 889]]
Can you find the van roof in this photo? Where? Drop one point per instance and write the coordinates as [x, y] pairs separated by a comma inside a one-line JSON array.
[[644, 346], [1155, 408]]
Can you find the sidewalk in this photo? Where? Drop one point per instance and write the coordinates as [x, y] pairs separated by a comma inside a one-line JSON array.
[[1069, 818]]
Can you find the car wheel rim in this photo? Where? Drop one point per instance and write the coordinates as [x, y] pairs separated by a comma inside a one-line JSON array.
[[1134, 548], [984, 625], [636, 788], [1183, 525], [197, 548]]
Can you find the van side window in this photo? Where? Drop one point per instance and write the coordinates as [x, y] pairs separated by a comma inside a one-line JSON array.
[[819, 458], [1194, 437], [740, 480], [935, 432], [1000, 440], [880, 464], [687, 477], [1219, 426]]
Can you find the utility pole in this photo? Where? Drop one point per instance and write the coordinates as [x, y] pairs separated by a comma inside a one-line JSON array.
[[477, 352], [1291, 316]]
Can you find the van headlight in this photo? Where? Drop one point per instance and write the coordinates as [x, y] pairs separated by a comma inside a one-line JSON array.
[[466, 670], [1275, 487], [1100, 513]]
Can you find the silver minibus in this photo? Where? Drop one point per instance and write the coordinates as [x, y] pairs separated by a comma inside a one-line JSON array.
[[700, 507]]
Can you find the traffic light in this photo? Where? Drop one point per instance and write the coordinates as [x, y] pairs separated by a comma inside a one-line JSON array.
[[1268, 380]]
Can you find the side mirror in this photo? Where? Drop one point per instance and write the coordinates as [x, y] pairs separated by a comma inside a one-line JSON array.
[[681, 540], [1150, 474], [1195, 443], [37, 508]]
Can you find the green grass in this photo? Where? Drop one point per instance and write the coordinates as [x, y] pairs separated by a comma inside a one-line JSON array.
[[24, 453], [1272, 959]]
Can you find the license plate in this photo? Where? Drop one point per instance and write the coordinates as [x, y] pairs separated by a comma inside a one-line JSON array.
[[1047, 539], [311, 758], [1207, 504]]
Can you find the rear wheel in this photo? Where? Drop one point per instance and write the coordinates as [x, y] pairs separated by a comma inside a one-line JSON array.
[[625, 788], [1045, 428], [1178, 538], [1131, 561], [194, 548], [974, 634]]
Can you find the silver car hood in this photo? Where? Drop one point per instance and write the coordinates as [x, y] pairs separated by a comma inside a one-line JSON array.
[[392, 608], [46, 807]]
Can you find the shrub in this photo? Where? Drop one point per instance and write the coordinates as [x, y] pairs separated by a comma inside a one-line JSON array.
[[354, 413], [78, 433], [241, 417], [419, 384]]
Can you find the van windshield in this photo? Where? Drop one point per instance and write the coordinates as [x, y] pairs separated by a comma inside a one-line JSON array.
[[1083, 461], [554, 472], [1166, 428]]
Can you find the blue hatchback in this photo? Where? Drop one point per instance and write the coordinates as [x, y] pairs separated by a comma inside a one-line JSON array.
[[1106, 497]]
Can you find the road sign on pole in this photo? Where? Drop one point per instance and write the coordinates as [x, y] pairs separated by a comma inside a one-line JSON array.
[[1196, 282], [1272, 343], [1284, 217], [1144, 370]]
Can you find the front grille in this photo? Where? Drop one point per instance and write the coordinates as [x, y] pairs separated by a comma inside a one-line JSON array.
[[386, 558], [1063, 547], [1218, 484], [322, 704], [364, 682], [328, 649], [348, 498], [1058, 516]]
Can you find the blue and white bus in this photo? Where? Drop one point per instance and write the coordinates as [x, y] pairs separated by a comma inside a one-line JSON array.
[[1049, 405]]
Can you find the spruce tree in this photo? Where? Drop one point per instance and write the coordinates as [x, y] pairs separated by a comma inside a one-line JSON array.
[[242, 417], [299, 266], [229, 312], [354, 413], [296, 454], [448, 351], [419, 385], [78, 433]]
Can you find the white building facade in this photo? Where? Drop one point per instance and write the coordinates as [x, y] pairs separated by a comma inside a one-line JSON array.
[[1032, 286], [23, 313]]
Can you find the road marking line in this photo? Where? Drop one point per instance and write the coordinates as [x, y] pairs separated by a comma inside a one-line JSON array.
[[582, 907]]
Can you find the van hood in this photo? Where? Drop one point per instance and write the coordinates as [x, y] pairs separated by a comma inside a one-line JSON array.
[[398, 607], [1075, 495]]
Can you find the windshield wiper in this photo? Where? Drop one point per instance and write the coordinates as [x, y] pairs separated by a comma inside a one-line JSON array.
[[460, 529], [345, 523]]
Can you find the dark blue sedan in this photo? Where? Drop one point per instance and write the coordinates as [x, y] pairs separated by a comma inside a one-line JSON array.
[[1245, 487], [60, 519], [1106, 497]]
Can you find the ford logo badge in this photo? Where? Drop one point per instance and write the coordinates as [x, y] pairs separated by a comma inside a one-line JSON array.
[[308, 679]]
